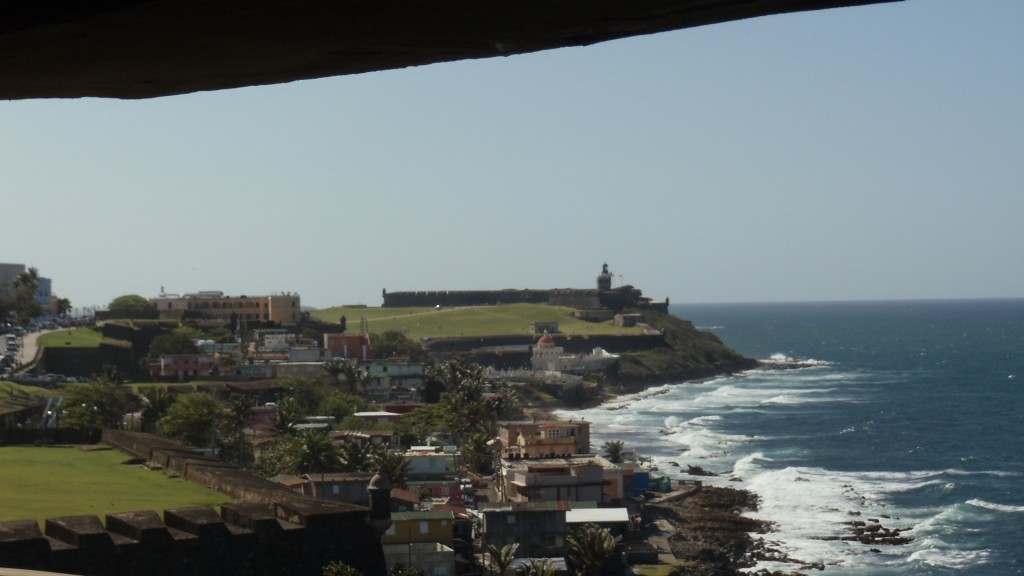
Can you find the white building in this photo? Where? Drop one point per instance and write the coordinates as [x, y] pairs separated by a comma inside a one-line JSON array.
[[551, 358]]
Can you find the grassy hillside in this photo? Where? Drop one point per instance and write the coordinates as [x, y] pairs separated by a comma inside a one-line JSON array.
[[692, 354], [77, 482], [75, 338], [689, 354], [22, 391], [500, 320]]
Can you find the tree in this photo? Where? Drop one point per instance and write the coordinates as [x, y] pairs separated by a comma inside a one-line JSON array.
[[192, 419], [233, 424], [499, 560], [129, 304], [539, 567], [333, 368], [463, 404], [98, 404], [414, 427], [23, 301], [393, 465], [63, 306], [339, 568], [341, 405], [355, 457], [316, 454], [286, 418], [156, 401], [355, 377], [305, 395], [590, 549], [173, 343], [394, 343], [344, 323], [613, 450]]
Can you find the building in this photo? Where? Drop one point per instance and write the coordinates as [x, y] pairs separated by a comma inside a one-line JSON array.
[[544, 439], [353, 346], [431, 559], [616, 520], [180, 367], [538, 527], [421, 527], [8, 274], [348, 487], [282, 308], [576, 479], [550, 358]]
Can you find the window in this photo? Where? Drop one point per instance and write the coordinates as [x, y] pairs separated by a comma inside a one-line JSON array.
[[424, 527], [510, 519]]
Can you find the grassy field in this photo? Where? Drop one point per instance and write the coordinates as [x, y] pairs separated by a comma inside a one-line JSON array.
[[40, 483], [75, 338], [12, 390], [504, 319]]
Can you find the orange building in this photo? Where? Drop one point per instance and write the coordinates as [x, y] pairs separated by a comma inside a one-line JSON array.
[[356, 346]]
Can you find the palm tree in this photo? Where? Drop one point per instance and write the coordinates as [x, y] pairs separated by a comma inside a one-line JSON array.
[[333, 368], [355, 377], [286, 418], [393, 465], [589, 549], [613, 450], [316, 455], [539, 567], [500, 559], [355, 457]]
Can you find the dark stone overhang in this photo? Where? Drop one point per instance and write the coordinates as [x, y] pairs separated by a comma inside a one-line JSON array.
[[149, 48]]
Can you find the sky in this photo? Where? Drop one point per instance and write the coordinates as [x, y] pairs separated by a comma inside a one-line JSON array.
[[849, 154]]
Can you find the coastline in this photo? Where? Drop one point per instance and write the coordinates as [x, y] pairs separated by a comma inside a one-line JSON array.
[[703, 526]]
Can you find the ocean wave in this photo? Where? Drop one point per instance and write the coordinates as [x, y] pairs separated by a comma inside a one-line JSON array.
[[996, 507], [949, 558], [780, 359]]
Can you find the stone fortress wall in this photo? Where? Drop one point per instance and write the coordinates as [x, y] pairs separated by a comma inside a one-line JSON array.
[[580, 298], [272, 530]]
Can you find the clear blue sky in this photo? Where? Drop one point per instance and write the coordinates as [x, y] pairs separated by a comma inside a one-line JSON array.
[[848, 154]]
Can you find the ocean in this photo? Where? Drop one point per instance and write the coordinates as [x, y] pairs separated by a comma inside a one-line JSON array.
[[908, 414]]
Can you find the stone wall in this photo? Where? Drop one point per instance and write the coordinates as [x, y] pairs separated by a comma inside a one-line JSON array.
[[450, 298], [271, 531], [583, 298]]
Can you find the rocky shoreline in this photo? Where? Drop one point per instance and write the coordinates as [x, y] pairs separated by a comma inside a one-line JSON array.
[[705, 531]]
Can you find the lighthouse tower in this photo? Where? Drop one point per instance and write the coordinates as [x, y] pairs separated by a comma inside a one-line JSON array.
[[604, 279]]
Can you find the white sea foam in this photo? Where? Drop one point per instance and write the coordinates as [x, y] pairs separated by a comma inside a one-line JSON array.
[[950, 558], [995, 507], [782, 359]]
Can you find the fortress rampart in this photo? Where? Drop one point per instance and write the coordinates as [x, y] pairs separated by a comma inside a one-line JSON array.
[[271, 531], [581, 298]]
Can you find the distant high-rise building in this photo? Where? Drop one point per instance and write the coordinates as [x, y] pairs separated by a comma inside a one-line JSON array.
[[8, 273]]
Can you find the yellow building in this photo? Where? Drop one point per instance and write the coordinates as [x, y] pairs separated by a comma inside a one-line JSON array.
[[284, 308]]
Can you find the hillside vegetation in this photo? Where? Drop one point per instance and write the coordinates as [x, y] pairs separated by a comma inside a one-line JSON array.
[[689, 354]]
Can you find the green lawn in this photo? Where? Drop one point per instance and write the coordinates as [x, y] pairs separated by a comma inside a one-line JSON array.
[[40, 483], [75, 338], [498, 320], [12, 390]]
